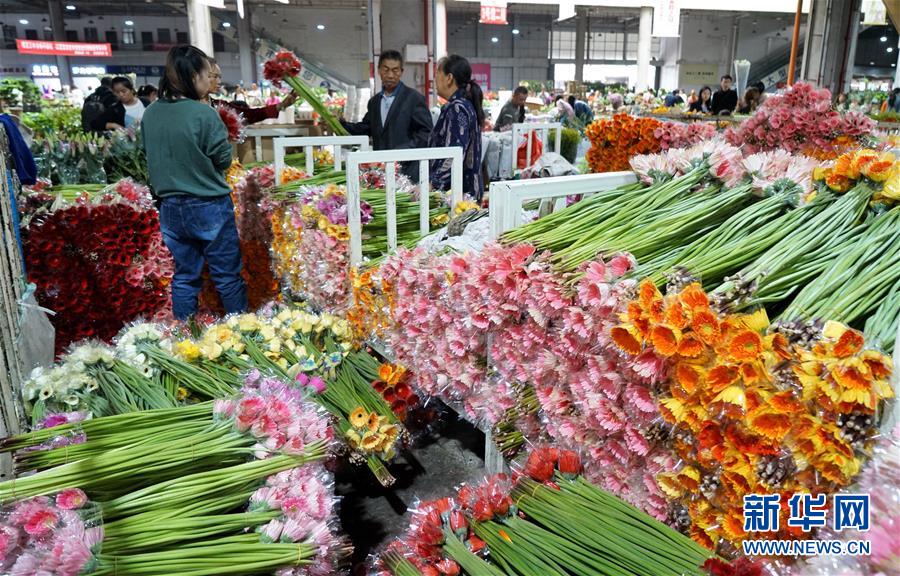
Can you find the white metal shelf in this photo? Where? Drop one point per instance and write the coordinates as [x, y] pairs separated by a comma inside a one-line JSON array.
[[390, 158], [507, 196]]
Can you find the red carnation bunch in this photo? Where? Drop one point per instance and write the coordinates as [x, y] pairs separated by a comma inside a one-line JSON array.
[[280, 66], [234, 122]]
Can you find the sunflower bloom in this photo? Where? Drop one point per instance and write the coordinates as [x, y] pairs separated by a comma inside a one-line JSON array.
[[694, 297], [838, 182], [677, 315], [648, 293], [879, 169], [769, 423], [848, 341]]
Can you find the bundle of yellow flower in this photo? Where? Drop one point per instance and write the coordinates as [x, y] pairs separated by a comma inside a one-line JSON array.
[[286, 236], [879, 169], [371, 433], [370, 305], [751, 413]]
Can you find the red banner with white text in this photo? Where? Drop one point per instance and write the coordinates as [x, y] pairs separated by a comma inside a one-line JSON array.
[[52, 48]]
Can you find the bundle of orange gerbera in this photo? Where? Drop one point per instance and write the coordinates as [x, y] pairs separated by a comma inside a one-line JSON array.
[[880, 170], [750, 412], [614, 141]]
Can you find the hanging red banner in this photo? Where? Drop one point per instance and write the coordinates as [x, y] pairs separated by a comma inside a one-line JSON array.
[[493, 12], [51, 48]]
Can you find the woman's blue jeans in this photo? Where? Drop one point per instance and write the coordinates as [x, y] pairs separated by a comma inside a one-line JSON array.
[[198, 229]]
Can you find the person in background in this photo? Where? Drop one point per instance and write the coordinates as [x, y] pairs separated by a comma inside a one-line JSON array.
[[126, 112], [239, 95], [564, 109], [841, 105], [187, 153], [254, 96], [397, 117], [692, 97], [894, 101], [96, 104], [251, 115], [513, 112], [148, 92], [750, 102], [582, 110], [725, 100], [673, 98], [762, 92], [458, 125], [703, 104]]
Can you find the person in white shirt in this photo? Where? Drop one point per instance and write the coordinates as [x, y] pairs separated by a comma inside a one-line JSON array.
[[129, 109]]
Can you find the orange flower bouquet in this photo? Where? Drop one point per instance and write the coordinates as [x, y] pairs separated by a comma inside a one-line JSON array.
[[750, 412], [614, 141]]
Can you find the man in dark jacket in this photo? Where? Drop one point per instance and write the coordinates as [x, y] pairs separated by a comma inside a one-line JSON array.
[[397, 117], [513, 112], [725, 100]]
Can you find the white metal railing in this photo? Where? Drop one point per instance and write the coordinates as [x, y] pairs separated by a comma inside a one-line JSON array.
[[528, 128], [260, 131], [389, 157], [507, 196], [309, 144]]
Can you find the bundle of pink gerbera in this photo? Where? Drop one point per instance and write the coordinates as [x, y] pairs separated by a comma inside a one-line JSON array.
[[801, 120]]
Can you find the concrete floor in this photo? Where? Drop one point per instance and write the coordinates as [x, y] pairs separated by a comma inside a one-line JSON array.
[[449, 454]]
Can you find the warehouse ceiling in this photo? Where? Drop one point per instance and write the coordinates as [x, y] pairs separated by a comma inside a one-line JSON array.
[[163, 8]]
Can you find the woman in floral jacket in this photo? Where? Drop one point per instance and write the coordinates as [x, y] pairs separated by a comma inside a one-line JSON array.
[[458, 125]]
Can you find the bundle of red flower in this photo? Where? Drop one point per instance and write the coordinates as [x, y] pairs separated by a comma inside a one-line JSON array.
[[394, 385], [547, 520], [234, 123], [99, 263]]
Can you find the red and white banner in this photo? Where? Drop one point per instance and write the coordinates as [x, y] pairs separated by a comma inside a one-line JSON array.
[[51, 48], [493, 12], [481, 73]]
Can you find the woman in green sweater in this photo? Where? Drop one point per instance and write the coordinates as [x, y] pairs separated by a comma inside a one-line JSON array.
[[187, 153]]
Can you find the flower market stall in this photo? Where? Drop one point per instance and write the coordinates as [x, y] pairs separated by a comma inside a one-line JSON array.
[[445, 324], [694, 324]]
